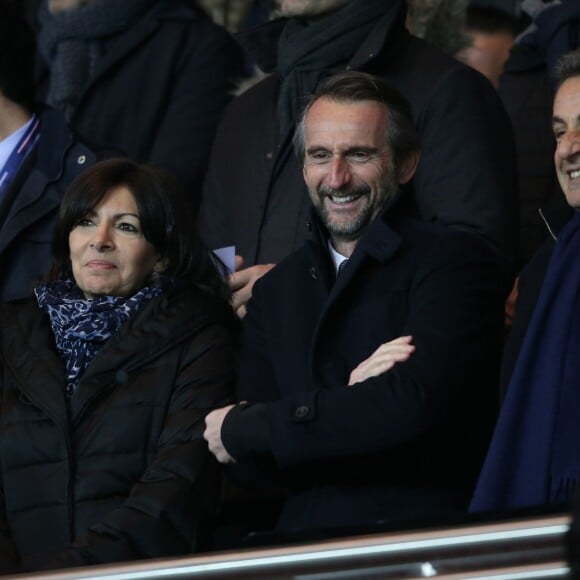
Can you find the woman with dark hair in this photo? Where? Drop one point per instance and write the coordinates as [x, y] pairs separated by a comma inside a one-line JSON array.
[[106, 376]]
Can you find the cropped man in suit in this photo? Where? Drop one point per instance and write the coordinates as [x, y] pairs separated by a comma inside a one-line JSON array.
[[39, 157]]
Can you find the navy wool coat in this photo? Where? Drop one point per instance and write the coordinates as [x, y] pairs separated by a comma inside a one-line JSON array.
[[408, 443]]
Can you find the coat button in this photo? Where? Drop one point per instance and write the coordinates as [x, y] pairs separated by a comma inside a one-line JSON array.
[[121, 377], [314, 272], [301, 412], [309, 225], [81, 159], [24, 399]]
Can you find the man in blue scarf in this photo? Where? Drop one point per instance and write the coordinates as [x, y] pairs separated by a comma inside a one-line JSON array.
[[534, 457]]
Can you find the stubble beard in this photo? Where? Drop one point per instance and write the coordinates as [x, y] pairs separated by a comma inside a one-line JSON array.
[[352, 230]]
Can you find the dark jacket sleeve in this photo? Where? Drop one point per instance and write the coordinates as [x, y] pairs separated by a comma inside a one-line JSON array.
[[455, 317], [168, 508]]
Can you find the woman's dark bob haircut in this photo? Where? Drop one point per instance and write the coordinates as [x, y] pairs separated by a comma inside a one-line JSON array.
[[166, 219]]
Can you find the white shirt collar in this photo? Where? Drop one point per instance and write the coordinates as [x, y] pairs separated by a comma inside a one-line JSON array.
[[337, 258]]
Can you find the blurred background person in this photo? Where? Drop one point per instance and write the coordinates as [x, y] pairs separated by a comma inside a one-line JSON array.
[[439, 22], [491, 33], [149, 78], [106, 375], [236, 15], [39, 157]]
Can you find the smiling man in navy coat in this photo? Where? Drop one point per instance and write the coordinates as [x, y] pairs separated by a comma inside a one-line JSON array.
[[367, 386]]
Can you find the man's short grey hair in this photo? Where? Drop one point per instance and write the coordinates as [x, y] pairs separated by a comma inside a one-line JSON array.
[[567, 67], [352, 87]]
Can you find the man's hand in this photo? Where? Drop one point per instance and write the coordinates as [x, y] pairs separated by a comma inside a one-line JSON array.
[[213, 434], [510, 307], [383, 359], [242, 281]]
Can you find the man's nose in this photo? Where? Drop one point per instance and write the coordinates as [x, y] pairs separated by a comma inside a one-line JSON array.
[[338, 173], [569, 144]]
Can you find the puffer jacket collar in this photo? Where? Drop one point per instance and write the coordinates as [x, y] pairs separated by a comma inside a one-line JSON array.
[[162, 324]]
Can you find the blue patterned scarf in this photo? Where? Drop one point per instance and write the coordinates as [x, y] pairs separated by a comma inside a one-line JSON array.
[[81, 327]]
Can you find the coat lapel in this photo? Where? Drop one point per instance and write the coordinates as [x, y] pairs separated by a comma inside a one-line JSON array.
[[32, 203], [31, 196], [379, 244]]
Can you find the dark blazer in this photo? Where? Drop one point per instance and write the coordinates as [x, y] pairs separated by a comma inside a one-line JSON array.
[[408, 443], [28, 210], [159, 91], [255, 197], [121, 472]]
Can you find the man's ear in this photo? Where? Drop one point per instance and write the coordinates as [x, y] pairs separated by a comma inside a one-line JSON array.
[[408, 166]]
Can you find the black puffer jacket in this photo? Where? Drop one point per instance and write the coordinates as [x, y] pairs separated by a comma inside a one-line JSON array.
[[121, 472]]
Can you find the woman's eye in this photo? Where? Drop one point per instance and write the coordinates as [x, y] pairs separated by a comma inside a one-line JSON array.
[[84, 222], [127, 227]]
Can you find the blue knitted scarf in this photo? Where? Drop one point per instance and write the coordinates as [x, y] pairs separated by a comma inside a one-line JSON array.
[[81, 327]]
